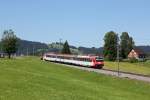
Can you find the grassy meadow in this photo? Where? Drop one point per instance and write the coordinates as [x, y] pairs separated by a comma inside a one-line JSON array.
[[29, 78], [138, 68]]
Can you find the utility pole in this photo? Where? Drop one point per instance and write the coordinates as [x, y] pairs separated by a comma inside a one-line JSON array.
[[118, 58]]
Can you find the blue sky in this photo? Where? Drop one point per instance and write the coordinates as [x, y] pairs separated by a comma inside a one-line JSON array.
[[81, 22]]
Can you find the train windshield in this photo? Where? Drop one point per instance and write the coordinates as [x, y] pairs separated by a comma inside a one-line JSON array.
[[99, 59]]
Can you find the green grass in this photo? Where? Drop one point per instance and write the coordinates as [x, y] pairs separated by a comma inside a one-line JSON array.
[[139, 68], [31, 79]]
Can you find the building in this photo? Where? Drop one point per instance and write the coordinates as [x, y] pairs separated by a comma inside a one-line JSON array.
[[2, 55], [137, 54]]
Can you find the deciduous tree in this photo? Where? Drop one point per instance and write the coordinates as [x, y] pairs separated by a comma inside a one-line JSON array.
[[110, 46], [126, 43], [9, 42]]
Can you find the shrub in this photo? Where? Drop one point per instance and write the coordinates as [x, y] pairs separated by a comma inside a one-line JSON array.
[[133, 60]]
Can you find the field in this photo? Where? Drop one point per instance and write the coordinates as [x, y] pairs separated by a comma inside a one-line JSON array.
[[31, 79], [138, 68]]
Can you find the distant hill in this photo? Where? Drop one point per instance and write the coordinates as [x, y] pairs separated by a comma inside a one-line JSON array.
[[92, 50], [31, 47], [146, 49], [56, 47]]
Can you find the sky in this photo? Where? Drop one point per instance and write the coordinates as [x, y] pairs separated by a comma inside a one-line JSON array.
[[81, 22]]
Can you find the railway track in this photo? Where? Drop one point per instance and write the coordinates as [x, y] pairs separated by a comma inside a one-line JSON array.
[[121, 74]]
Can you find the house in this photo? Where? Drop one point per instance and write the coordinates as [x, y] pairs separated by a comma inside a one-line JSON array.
[[2, 55], [137, 54]]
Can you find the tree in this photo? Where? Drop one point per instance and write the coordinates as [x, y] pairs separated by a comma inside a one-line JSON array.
[[110, 46], [66, 48], [126, 43], [9, 42], [131, 43], [0, 46]]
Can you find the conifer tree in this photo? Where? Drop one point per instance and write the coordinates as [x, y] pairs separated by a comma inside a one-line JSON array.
[[66, 48]]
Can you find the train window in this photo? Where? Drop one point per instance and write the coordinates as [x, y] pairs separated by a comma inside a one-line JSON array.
[[82, 59], [47, 55], [75, 58], [68, 57], [99, 59], [51, 56], [89, 60], [58, 56], [79, 59], [71, 58]]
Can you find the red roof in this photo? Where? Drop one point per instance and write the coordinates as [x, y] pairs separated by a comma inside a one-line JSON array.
[[138, 51]]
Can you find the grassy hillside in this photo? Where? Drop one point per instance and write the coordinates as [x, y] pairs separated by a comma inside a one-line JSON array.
[[32, 79], [139, 68]]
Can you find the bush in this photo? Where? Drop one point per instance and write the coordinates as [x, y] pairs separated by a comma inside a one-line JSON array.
[[133, 60]]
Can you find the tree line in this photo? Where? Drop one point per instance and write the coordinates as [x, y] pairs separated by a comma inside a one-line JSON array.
[[10, 44], [111, 41]]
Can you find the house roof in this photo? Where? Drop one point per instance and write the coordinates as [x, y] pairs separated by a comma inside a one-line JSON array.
[[139, 51]]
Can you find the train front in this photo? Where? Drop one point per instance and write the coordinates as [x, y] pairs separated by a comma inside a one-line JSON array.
[[98, 62]]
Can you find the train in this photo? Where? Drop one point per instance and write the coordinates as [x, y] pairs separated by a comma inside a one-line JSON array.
[[80, 60]]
